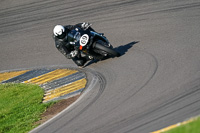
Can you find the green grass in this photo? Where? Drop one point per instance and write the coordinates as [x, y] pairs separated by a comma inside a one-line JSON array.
[[20, 107], [191, 127]]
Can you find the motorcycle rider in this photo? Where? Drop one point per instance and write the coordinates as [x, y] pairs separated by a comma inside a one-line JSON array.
[[60, 36]]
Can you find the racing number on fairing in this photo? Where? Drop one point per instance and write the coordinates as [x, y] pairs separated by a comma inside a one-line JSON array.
[[84, 39]]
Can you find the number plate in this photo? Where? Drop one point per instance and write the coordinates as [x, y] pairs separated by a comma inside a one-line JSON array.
[[84, 39]]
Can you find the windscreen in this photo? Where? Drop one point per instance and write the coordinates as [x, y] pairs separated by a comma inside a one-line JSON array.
[[73, 36]]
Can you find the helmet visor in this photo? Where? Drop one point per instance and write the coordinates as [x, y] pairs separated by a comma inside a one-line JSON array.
[[62, 35]]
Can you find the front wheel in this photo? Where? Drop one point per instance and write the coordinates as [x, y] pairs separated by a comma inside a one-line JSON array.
[[108, 50]]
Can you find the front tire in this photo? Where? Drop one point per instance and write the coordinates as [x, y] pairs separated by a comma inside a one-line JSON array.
[[108, 50]]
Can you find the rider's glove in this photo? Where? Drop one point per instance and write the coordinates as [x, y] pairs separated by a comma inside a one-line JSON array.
[[73, 53], [85, 26]]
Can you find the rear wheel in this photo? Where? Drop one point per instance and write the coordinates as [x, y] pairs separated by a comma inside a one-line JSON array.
[[106, 49]]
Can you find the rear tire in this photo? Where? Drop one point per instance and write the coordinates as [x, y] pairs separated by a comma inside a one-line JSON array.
[[108, 50]]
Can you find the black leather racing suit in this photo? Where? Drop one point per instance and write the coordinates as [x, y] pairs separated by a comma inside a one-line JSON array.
[[65, 48]]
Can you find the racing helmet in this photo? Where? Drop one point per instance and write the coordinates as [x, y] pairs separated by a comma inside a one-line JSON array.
[[59, 31]]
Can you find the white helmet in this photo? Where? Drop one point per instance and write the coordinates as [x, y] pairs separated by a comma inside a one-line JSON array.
[[58, 31]]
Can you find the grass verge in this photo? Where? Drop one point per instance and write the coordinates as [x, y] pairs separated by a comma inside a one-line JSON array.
[[191, 127], [20, 107]]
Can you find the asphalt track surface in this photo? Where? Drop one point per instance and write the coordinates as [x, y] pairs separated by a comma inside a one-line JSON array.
[[154, 84]]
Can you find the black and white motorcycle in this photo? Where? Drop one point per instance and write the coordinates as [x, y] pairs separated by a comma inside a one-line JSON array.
[[91, 44]]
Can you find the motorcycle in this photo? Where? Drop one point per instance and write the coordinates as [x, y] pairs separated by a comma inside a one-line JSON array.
[[90, 44]]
